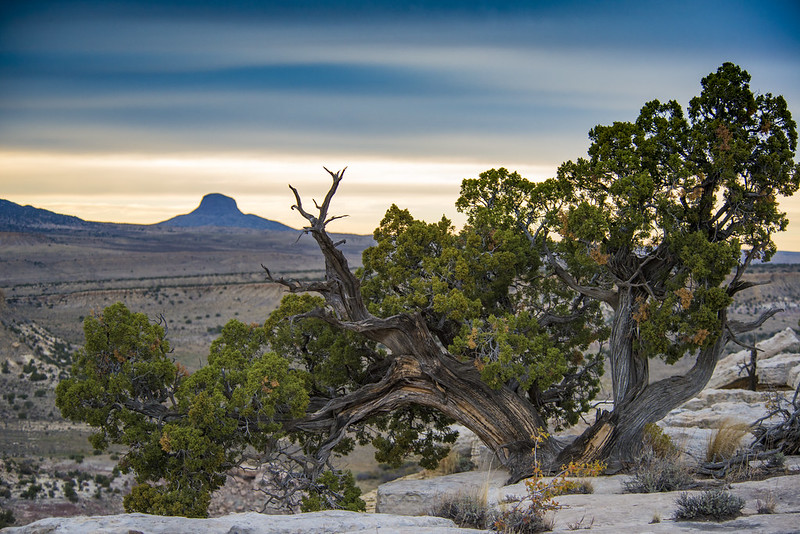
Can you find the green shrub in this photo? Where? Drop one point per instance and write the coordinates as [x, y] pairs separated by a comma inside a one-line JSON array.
[[32, 491], [334, 490], [658, 443], [715, 505], [69, 491], [6, 518], [517, 521]]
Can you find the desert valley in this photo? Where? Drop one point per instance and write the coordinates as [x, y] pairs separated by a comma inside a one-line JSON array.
[[192, 273]]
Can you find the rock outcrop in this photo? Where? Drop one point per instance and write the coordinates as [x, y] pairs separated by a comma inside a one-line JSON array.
[[724, 402], [778, 364], [329, 522]]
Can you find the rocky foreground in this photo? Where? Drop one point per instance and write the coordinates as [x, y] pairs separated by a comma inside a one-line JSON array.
[[402, 504], [608, 510]]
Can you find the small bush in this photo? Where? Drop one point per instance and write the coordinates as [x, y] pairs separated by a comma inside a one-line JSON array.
[[522, 522], [658, 443], [465, 510], [577, 487], [6, 518], [654, 475], [32, 491], [530, 514], [455, 462], [69, 491], [715, 505], [777, 461]]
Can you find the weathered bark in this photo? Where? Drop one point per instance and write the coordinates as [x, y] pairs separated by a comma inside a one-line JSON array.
[[629, 371], [422, 372], [616, 436]]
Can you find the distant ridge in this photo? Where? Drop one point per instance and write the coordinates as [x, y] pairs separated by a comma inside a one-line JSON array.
[[220, 210], [784, 257], [215, 210], [14, 217]]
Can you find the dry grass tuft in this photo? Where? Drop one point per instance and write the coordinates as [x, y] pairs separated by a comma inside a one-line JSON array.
[[723, 444], [767, 506]]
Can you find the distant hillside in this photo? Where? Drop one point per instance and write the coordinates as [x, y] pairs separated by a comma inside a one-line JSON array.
[[215, 210], [219, 210], [14, 218], [781, 257]]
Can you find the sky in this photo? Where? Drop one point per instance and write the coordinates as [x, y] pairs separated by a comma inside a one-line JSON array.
[[130, 111]]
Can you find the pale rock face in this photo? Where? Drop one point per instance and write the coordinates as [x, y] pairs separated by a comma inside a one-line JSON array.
[[729, 369], [781, 369], [468, 445], [328, 522], [693, 424]]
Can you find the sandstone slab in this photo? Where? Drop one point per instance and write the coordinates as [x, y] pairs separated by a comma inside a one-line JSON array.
[[729, 369], [328, 522]]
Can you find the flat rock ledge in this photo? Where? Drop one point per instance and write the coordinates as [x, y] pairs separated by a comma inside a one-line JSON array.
[[328, 522], [608, 510]]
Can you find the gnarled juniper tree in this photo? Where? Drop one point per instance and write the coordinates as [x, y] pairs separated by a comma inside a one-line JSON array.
[[488, 326]]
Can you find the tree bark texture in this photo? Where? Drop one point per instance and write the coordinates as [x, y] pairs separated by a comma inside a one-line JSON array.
[[421, 371]]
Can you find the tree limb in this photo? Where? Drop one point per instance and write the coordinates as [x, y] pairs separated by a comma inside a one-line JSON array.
[[738, 327]]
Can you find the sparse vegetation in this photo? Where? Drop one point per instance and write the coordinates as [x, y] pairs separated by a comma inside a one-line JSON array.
[[766, 506], [710, 505], [652, 474], [722, 445], [6, 518], [530, 513], [467, 510], [31, 492]]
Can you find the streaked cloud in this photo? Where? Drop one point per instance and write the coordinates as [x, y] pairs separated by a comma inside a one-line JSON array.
[[156, 102]]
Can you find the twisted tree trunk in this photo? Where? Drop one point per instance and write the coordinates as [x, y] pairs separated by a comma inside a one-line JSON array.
[[420, 371]]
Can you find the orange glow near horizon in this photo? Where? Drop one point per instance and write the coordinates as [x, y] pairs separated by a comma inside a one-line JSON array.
[[149, 188]]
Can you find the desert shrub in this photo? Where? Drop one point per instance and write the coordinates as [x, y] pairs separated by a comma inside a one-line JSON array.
[[40, 393], [467, 510], [722, 445], [455, 462], [27, 467], [715, 505], [161, 500], [654, 475], [578, 487], [658, 443], [339, 483], [521, 522], [36, 376], [69, 491], [528, 515], [32, 491], [6, 518]]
